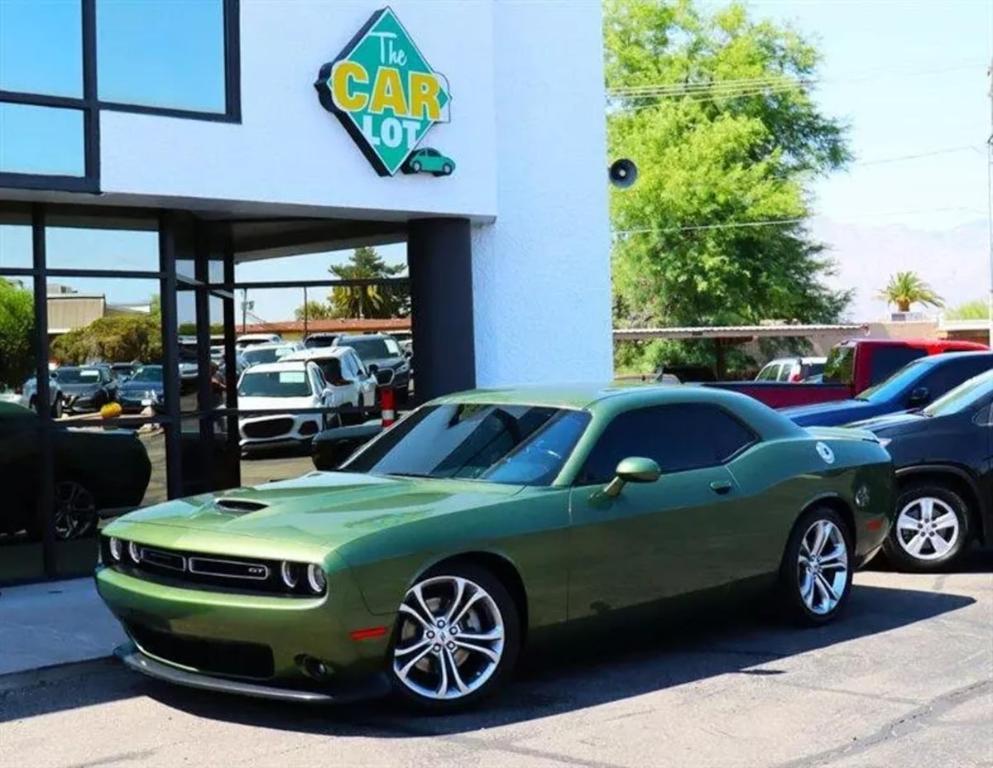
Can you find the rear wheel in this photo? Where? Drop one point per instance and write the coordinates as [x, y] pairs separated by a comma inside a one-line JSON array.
[[816, 573], [456, 640], [75, 510], [931, 528]]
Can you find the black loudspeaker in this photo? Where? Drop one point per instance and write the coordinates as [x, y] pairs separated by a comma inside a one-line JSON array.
[[622, 173]]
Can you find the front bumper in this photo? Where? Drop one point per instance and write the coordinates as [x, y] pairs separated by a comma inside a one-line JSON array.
[[288, 630], [299, 430], [134, 659]]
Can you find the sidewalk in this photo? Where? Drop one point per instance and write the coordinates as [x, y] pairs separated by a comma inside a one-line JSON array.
[[57, 622]]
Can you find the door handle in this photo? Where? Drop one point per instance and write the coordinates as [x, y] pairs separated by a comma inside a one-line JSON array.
[[721, 487]]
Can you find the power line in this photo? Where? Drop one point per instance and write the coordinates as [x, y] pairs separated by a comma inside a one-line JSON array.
[[932, 153]]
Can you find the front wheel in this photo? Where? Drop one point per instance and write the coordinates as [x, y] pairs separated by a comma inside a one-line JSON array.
[[816, 573], [75, 510], [456, 639], [931, 529]]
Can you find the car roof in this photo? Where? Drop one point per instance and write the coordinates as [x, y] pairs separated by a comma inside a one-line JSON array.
[[270, 345], [361, 336], [319, 353], [289, 365], [947, 357]]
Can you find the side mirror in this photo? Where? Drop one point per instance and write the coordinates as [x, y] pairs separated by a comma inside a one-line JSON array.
[[919, 396], [634, 469]]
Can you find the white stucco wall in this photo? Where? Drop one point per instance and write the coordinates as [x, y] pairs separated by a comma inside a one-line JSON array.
[[541, 273], [288, 149]]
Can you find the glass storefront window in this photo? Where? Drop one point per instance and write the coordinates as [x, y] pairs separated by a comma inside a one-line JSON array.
[[162, 53], [15, 242], [79, 247], [41, 47], [45, 141]]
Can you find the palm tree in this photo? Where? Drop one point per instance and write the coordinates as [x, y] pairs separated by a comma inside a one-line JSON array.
[[906, 288]]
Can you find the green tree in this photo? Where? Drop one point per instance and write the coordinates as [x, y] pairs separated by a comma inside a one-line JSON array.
[[114, 338], [315, 310], [971, 310], [17, 354], [368, 300], [717, 113], [907, 288]]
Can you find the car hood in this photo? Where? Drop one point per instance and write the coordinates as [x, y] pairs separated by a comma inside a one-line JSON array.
[[275, 403], [320, 509], [79, 389], [385, 362], [833, 413], [141, 386]]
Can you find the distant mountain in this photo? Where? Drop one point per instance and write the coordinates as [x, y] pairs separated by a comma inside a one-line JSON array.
[[954, 261]]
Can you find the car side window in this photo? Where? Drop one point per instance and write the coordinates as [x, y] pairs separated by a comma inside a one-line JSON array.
[[953, 373], [678, 437]]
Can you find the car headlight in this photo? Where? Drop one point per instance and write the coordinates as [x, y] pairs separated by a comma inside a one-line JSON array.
[[134, 552], [116, 548], [290, 573], [316, 580]]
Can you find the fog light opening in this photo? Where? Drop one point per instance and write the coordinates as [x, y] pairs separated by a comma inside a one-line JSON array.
[[314, 668]]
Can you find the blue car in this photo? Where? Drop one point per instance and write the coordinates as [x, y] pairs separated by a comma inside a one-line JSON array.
[[913, 386]]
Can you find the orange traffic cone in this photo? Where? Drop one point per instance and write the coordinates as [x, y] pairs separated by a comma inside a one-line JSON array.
[[387, 404]]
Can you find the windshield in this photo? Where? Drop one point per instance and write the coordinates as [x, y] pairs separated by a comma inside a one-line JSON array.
[[963, 397], [274, 384], [373, 348], [511, 444], [78, 375], [151, 373], [896, 383], [840, 365]]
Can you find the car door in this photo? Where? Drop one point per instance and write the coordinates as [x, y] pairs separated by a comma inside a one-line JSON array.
[[367, 382], [665, 538]]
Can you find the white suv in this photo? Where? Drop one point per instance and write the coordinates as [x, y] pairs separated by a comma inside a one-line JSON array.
[[350, 382], [792, 369], [282, 387]]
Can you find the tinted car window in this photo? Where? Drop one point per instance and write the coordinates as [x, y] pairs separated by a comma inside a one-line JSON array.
[[677, 437], [886, 360], [964, 397], [953, 373]]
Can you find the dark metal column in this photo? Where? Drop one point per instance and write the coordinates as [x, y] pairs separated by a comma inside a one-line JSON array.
[[170, 355], [46, 490], [439, 257]]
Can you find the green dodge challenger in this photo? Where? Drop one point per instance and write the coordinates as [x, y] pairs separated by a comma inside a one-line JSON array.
[[480, 521]]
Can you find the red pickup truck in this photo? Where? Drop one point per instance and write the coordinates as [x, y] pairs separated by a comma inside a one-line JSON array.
[[852, 366]]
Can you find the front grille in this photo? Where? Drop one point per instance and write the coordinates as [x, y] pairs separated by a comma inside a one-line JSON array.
[[268, 427], [219, 573], [221, 657]]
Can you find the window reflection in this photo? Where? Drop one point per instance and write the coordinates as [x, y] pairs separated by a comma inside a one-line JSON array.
[[41, 140], [79, 247], [15, 245], [41, 47], [162, 53]]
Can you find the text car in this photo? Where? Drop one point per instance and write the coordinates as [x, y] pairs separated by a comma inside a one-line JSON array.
[[351, 387], [144, 389], [86, 388], [483, 519]]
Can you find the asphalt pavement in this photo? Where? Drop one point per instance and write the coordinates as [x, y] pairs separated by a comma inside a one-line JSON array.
[[903, 680]]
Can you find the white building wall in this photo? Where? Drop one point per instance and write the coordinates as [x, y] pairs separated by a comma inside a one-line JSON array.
[[288, 150], [541, 273]]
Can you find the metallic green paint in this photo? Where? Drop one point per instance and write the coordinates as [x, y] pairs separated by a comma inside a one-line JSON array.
[[578, 551]]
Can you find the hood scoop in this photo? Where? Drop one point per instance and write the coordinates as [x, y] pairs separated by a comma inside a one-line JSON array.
[[241, 506]]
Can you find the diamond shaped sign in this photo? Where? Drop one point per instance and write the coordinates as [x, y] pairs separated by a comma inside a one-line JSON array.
[[384, 92]]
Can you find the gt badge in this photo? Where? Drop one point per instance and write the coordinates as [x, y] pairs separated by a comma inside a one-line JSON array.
[[825, 453]]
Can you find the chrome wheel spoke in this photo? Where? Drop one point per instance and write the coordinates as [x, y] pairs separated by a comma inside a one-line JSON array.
[[456, 677], [947, 520], [940, 545], [405, 670], [927, 509], [459, 593], [807, 590], [907, 524], [916, 544], [469, 603], [822, 567], [837, 556], [407, 610], [473, 637], [820, 536], [412, 648], [488, 653]]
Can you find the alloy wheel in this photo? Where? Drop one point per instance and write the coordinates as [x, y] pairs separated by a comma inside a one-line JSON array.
[[822, 567], [450, 638], [75, 510], [927, 528]]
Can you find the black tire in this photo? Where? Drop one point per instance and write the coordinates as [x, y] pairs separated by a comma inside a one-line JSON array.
[[508, 614], [911, 499], [792, 580], [57, 408], [32, 403]]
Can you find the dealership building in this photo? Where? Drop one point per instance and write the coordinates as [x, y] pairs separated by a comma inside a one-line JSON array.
[[149, 151]]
